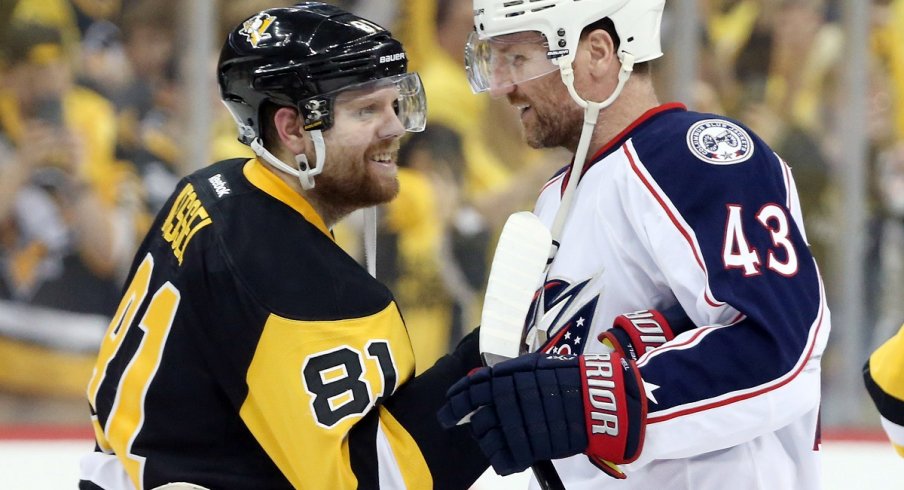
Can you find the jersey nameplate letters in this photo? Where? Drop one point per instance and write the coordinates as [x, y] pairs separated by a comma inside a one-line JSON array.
[[186, 217]]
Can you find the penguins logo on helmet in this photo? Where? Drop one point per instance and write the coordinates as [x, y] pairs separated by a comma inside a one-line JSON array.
[[255, 28]]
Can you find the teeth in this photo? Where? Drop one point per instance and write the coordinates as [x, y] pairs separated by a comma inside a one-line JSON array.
[[382, 157]]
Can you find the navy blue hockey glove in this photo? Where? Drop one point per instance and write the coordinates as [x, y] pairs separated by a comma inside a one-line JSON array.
[[633, 334], [540, 406]]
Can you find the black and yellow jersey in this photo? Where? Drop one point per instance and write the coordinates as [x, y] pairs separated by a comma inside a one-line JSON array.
[[249, 351], [884, 378]]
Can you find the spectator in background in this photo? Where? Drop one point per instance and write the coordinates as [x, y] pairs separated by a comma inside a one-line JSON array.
[[494, 187], [805, 54], [149, 103], [489, 188], [732, 29], [60, 225], [888, 42], [889, 244], [886, 132], [430, 247], [60, 138], [59, 15], [133, 65]]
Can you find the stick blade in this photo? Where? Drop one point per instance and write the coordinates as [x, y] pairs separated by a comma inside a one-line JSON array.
[[515, 274]]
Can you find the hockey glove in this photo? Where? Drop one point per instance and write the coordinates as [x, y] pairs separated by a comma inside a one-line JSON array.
[[633, 334], [539, 406]]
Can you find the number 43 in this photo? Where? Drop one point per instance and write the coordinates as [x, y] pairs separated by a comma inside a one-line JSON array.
[[738, 254]]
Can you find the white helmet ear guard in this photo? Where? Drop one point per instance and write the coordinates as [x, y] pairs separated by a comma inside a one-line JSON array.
[[637, 23]]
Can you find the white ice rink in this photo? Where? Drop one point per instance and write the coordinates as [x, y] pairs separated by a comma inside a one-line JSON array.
[[40, 465]]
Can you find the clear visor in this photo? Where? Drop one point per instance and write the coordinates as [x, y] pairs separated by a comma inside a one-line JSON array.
[[498, 63], [403, 94]]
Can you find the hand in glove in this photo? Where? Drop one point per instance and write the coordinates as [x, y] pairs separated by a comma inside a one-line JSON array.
[[539, 407]]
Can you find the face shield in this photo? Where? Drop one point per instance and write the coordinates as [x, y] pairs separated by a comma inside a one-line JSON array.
[[403, 93], [498, 63]]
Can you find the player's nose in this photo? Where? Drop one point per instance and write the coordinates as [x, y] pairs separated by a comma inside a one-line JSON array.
[[392, 128], [501, 89]]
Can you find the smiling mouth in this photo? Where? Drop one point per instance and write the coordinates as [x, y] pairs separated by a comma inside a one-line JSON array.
[[383, 159]]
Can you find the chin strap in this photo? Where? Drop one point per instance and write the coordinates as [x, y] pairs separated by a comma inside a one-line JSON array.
[[304, 172], [591, 114], [370, 239]]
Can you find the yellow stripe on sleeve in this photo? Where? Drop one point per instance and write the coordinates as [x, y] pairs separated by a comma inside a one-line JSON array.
[[886, 365], [411, 462]]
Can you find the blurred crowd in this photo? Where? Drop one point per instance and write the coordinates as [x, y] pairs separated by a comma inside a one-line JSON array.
[[92, 113]]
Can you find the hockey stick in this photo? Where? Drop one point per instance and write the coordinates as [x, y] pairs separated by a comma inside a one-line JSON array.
[[515, 275]]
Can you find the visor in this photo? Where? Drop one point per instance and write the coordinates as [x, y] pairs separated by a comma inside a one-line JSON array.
[[410, 104], [499, 63]]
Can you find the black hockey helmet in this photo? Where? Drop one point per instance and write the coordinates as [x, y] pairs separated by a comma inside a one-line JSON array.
[[299, 57]]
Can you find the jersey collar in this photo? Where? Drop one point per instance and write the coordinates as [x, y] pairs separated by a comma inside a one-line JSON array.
[[265, 180], [622, 136]]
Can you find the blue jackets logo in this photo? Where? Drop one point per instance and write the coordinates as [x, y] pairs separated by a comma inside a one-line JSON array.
[[719, 142]]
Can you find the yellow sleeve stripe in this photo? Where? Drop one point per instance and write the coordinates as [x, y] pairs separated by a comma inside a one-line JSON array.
[[412, 464], [886, 366], [99, 436]]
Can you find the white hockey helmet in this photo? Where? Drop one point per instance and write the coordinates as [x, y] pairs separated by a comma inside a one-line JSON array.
[[637, 23]]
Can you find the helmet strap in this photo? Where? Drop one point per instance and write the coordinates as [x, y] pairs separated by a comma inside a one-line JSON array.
[[567, 73], [370, 239], [591, 114], [304, 172]]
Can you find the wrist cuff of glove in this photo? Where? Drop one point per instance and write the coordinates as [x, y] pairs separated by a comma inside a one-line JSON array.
[[615, 406], [635, 333]]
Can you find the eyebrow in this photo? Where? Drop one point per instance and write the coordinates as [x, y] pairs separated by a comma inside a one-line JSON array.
[[532, 37], [503, 48], [364, 97]]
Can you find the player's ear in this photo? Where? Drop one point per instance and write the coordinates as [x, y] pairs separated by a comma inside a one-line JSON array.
[[601, 53], [288, 126]]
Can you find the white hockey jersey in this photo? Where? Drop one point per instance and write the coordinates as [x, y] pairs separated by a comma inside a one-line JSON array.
[[694, 209]]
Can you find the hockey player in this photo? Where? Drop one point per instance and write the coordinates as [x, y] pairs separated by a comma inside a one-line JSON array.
[[884, 378], [250, 351], [660, 207]]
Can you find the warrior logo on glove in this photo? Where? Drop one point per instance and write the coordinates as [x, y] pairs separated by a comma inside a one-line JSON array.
[[539, 407], [607, 399]]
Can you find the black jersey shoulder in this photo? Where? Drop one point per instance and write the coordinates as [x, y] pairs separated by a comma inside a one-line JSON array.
[[284, 261]]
